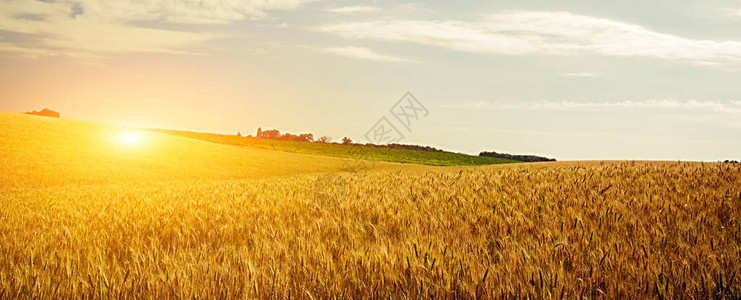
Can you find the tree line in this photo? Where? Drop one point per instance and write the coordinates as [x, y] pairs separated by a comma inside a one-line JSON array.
[[274, 134], [522, 158]]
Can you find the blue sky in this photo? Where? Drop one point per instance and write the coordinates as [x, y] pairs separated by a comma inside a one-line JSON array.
[[565, 79]]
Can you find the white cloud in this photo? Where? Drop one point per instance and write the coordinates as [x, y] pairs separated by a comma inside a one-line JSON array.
[[552, 33], [188, 11], [363, 53], [353, 9], [109, 26], [694, 105], [580, 74]]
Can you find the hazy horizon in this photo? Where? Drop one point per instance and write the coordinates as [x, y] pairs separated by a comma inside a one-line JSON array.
[[563, 80]]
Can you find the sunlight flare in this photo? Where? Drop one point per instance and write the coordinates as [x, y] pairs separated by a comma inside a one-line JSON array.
[[130, 138]]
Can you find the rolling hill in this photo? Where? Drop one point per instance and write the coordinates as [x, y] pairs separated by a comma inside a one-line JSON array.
[[356, 151], [40, 151]]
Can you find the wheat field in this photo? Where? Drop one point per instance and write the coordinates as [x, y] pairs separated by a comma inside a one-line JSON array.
[[187, 219]]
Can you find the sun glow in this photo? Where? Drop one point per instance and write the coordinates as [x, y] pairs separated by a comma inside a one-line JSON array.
[[130, 138]]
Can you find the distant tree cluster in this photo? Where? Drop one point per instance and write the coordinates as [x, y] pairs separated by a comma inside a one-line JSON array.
[[731, 161], [523, 158], [276, 135], [44, 113]]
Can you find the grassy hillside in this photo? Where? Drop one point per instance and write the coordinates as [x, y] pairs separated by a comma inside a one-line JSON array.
[[89, 211], [349, 151], [48, 151]]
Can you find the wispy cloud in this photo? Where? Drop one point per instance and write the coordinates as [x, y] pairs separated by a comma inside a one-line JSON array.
[[353, 9], [18, 51], [580, 74], [110, 26], [363, 53], [551, 33], [717, 106]]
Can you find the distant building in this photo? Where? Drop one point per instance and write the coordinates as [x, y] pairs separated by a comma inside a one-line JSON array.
[[44, 113]]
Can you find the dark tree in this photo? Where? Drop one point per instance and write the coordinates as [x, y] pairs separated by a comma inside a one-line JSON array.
[[306, 137], [271, 134], [44, 113]]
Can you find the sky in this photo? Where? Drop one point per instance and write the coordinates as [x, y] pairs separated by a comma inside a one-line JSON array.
[[571, 79]]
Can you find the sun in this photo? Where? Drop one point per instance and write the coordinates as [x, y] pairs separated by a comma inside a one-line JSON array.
[[130, 138]]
